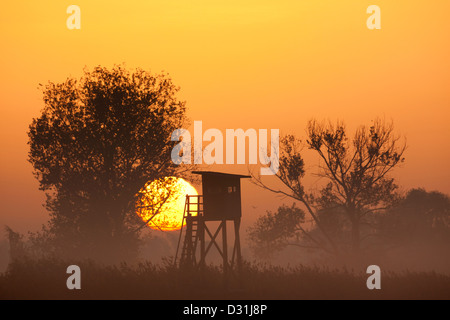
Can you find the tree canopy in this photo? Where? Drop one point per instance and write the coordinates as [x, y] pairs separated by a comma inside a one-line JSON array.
[[97, 142]]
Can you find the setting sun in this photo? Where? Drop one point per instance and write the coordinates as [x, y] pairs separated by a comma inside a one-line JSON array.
[[161, 203]]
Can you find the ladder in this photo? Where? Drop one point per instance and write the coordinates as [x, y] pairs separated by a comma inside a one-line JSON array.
[[190, 244], [193, 212]]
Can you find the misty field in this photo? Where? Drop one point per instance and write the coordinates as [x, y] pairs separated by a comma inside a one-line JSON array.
[[46, 279]]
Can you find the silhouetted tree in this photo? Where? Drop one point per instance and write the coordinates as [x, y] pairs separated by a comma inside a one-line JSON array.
[[98, 141], [420, 217], [273, 232], [356, 172]]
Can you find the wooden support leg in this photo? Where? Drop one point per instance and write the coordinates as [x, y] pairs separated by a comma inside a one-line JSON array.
[[224, 245], [237, 243], [225, 251], [201, 226]]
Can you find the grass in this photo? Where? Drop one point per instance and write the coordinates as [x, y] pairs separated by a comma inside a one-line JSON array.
[[46, 279]]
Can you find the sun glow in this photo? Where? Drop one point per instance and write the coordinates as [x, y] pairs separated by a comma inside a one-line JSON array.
[[160, 203]]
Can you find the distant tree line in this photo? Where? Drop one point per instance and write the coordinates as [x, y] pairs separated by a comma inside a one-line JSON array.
[[418, 218]]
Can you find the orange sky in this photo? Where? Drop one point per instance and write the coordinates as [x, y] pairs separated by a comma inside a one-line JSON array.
[[240, 64]]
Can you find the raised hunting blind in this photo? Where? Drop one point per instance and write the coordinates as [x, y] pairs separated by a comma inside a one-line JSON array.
[[220, 201]]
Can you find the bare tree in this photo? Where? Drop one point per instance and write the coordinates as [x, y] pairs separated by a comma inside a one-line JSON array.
[[356, 171]]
